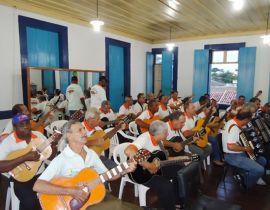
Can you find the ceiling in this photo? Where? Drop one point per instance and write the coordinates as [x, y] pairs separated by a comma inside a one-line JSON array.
[[151, 20]]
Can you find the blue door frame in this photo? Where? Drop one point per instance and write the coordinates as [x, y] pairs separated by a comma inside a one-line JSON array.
[[25, 22], [126, 46], [156, 51]]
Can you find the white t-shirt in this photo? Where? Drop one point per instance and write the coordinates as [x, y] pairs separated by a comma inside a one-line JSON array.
[[145, 115], [13, 143], [98, 95], [197, 105], [34, 102], [74, 94], [110, 115], [64, 105], [69, 164], [190, 123], [56, 100], [162, 113], [144, 141], [125, 111], [43, 107], [230, 135], [137, 108]]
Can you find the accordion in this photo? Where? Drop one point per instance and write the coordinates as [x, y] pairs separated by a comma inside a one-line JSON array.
[[261, 128], [245, 142]]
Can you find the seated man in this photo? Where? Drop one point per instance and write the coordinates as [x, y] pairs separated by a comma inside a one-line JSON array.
[[127, 108], [175, 103], [17, 140], [91, 124], [166, 189], [107, 114], [150, 114], [175, 124], [235, 152], [75, 157], [190, 123], [16, 109], [140, 105], [163, 110]]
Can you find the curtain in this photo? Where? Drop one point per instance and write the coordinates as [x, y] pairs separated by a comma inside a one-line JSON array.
[[149, 72], [200, 73], [246, 71], [166, 72]]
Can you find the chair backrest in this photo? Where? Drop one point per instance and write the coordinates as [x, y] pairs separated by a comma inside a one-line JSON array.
[[119, 153], [132, 126], [114, 140]]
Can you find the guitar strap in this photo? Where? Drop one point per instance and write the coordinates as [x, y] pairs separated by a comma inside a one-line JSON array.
[[161, 146]]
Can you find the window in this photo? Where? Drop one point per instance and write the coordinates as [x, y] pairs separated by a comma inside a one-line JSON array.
[[158, 59], [223, 75]]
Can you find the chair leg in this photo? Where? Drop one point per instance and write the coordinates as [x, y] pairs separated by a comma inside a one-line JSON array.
[[8, 199], [136, 191], [121, 188], [15, 202], [142, 195]]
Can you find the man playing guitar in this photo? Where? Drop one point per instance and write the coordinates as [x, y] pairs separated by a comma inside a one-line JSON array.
[[17, 140], [73, 159], [152, 141]]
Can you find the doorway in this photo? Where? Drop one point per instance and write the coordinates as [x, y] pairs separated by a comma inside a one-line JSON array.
[[117, 71]]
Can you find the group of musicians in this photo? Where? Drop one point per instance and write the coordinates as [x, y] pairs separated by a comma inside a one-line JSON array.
[[156, 134]]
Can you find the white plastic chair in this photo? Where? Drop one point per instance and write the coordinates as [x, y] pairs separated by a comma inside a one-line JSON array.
[[132, 126], [58, 125], [11, 198], [114, 141], [140, 190]]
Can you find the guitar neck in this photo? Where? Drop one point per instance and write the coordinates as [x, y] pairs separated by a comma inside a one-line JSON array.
[[109, 175], [208, 117], [187, 141], [56, 135], [173, 162]]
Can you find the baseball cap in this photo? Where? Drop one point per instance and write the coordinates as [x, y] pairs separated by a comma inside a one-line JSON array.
[[18, 118]]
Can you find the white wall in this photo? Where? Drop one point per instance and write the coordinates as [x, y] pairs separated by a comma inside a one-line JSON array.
[[86, 51], [186, 61]]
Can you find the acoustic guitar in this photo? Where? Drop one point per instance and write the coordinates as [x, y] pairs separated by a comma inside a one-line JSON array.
[[202, 124], [178, 139], [148, 122], [27, 170], [65, 202], [101, 134], [141, 175], [220, 121]]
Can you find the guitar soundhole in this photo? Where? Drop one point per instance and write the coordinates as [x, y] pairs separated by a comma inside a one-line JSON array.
[[76, 204]]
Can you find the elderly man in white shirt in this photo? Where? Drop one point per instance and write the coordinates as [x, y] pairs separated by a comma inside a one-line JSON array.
[[98, 92], [75, 96], [140, 105]]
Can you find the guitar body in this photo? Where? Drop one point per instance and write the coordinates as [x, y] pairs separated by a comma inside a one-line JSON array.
[[203, 139], [58, 202], [148, 122], [27, 170], [171, 151], [141, 175], [214, 131], [105, 146]]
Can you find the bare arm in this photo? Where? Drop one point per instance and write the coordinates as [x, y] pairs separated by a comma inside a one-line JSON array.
[[141, 124], [238, 148], [8, 165], [188, 133]]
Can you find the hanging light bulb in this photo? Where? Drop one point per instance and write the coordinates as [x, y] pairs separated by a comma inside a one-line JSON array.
[[237, 4], [266, 38], [170, 45], [97, 23]]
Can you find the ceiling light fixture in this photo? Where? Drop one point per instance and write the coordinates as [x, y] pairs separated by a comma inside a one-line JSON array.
[[266, 37], [97, 23], [237, 4], [170, 45]]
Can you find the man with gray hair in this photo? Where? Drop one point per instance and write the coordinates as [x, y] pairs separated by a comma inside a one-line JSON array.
[[127, 108], [152, 141], [106, 113]]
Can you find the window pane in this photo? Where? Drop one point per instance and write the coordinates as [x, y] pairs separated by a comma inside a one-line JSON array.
[[223, 84], [218, 56], [232, 56], [158, 58]]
